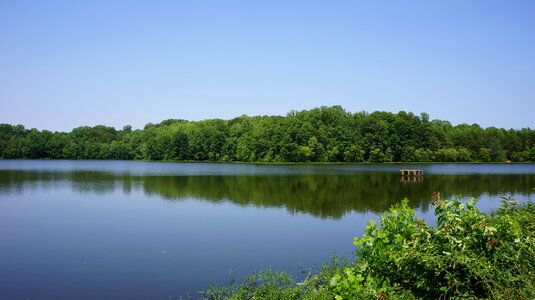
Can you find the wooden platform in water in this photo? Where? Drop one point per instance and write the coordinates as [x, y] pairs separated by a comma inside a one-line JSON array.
[[407, 172]]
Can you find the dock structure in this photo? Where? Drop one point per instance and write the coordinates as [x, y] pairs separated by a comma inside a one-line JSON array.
[[412, 173]]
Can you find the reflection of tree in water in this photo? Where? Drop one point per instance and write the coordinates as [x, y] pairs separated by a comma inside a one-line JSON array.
[[334, 195], [319, 195], [84, 182]]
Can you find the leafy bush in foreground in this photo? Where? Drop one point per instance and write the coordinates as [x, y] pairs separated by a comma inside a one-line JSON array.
[[468, 254]]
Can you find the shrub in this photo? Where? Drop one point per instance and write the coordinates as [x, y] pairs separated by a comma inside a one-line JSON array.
[[467, 254]]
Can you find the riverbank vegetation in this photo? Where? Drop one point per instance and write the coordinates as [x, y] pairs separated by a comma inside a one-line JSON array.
[[325, 134], [467, 254]]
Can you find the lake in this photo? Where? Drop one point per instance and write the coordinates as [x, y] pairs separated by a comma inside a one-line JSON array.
[[153, 230]]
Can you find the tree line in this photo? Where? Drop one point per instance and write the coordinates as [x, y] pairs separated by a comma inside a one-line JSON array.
[[325, 134]]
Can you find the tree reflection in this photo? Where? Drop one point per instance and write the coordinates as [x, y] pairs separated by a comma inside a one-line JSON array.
[[325, 196]]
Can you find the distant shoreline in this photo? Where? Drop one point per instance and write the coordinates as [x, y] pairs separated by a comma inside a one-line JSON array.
[[282, 163], [320, 135]]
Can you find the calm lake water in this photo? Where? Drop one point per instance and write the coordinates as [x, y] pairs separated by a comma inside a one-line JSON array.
[[151, 230]]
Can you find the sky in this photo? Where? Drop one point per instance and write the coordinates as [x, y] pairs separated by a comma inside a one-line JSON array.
[[65, 64]]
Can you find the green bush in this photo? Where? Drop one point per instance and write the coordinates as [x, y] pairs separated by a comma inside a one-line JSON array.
[[467, 254]]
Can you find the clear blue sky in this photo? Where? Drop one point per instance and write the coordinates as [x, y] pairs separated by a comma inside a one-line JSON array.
[[64, 64]]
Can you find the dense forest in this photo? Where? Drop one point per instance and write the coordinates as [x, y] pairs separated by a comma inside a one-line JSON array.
[[325, 134]]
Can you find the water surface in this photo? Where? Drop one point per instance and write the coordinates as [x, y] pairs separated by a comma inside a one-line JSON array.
[[149, 230]]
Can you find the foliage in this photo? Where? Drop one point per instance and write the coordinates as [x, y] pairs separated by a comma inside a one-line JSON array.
[[467, 254], [269, 284], [325, 134]]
